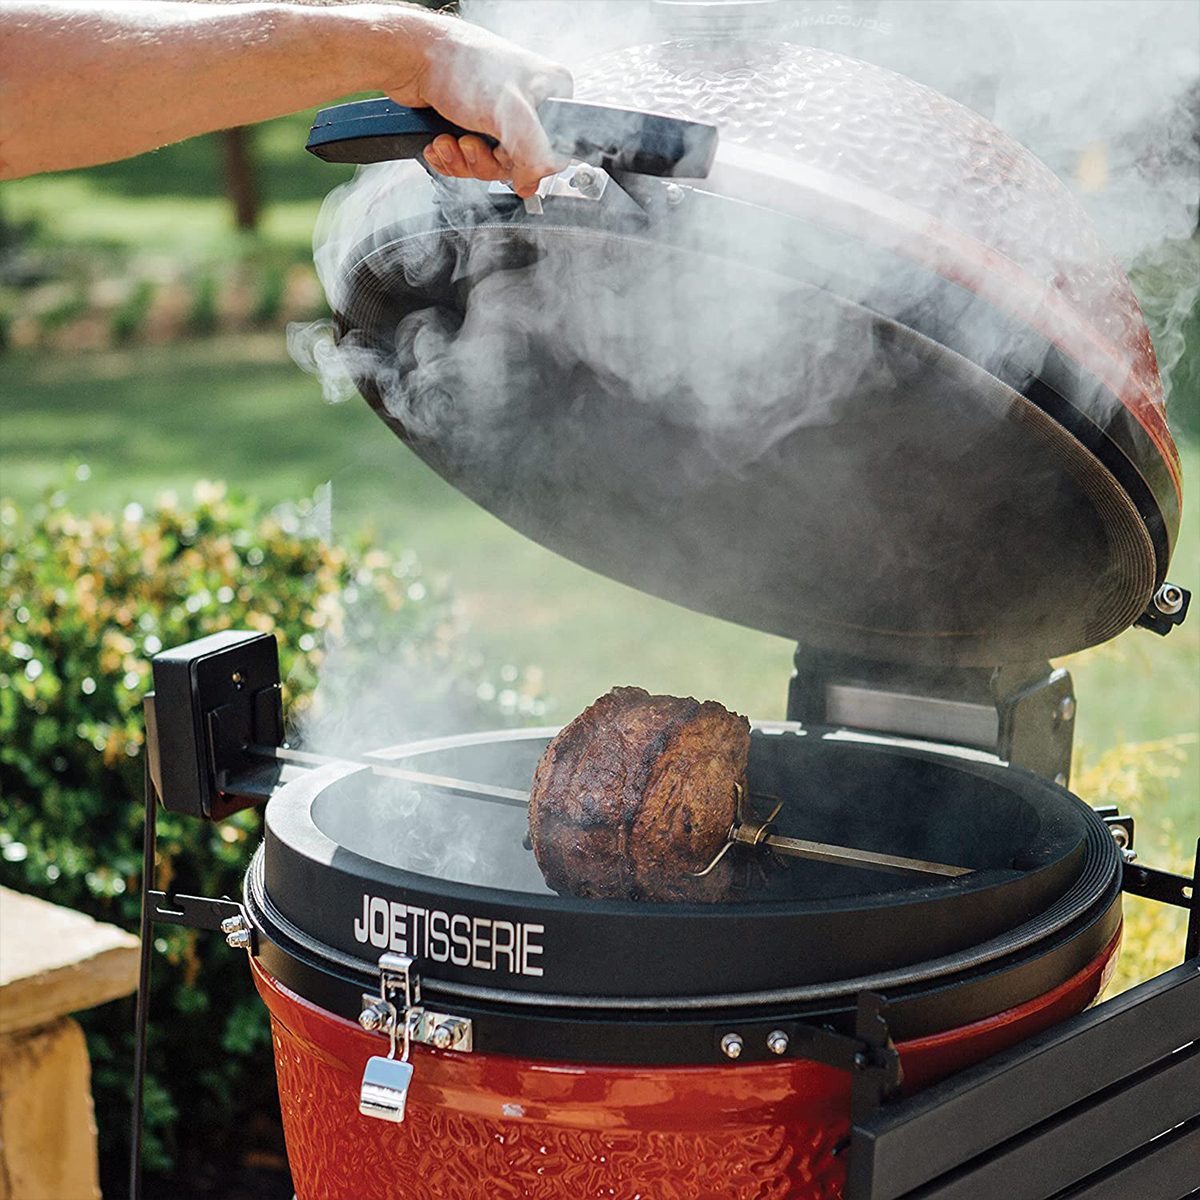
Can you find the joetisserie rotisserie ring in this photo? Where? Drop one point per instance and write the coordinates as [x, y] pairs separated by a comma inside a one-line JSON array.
[[350, 861]]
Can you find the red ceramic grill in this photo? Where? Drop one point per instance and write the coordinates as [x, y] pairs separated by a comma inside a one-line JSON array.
[[990, 484]]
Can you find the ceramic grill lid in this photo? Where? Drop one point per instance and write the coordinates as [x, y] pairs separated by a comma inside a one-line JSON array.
[[872, 384]]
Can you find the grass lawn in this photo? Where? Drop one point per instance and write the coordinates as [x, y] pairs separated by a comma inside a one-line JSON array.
[[172, 201], [236, 409]]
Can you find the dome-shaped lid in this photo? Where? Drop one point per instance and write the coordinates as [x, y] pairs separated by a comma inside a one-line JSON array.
[[873, 384]]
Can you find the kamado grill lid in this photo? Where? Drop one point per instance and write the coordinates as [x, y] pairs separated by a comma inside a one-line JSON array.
[[873, 384]]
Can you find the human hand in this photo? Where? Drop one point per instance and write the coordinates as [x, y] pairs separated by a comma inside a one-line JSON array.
[[483, 82]]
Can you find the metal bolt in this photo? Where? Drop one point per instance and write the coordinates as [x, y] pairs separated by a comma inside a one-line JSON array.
[[1119, 835], [240, 939], [1129, 856], [1168, 599], [234, 924], [674, 194], [587, 181], [777, 1041], [442, 1037], [1066, 709], [731, 1045], [375, 1017], [1060, 779]]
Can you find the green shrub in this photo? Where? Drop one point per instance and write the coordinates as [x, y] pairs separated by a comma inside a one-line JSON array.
[[202, 315], [269, 297], [128, 316], [87, 601], [64, 311]]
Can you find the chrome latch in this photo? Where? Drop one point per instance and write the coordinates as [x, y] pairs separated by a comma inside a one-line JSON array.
[[397, 1011], [386, 1080]]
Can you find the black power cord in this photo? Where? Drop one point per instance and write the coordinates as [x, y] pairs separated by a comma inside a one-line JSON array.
[[149, 844]]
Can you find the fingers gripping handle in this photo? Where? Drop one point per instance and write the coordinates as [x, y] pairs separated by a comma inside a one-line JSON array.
[[617, 139]]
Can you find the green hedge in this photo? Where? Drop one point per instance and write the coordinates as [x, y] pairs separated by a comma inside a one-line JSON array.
[[87, 601]]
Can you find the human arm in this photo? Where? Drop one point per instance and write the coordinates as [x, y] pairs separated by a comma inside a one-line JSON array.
[[90, 82]]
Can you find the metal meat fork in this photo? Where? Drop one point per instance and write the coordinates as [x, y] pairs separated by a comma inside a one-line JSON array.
[[750, 830]]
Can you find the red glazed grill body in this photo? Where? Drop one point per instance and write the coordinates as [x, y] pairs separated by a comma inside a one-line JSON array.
[[497, 1127]]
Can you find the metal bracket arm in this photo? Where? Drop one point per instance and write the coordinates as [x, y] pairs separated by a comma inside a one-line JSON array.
[[205, 912]]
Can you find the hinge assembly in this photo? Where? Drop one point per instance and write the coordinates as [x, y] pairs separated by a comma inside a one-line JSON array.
[[397, 1013]]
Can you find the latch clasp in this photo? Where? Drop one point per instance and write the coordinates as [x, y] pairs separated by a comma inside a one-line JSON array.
[[386, 1079], [397, 1012]]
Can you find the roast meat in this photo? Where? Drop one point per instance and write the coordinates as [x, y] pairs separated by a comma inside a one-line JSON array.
[[636, 794]]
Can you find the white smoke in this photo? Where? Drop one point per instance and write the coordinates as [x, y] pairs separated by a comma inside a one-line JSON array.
[[1103, 91]]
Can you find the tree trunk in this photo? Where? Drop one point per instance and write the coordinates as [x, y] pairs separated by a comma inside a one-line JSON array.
[[240, 176]]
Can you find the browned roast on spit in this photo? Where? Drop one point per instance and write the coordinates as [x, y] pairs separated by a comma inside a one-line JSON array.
[[636, 795]]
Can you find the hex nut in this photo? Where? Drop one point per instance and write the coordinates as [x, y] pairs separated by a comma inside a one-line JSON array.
[[373, 1018], [777, 1041], [1168, 599]]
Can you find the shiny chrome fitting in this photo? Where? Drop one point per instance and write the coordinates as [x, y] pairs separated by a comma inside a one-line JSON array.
[[375, 1016], [1066, 709], [239, 939], [732, 1045], [777, 1041], [234, 924], [450, 1033], [1168, 599]]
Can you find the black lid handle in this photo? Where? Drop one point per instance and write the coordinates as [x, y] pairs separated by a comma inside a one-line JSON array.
[[617, 139]]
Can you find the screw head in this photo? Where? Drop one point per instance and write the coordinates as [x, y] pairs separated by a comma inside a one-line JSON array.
[[674, 194], [442, 1037], [777, 1041], [233, 924], [1060, 779], [240, 939], [1066, 709], [732, 1045]]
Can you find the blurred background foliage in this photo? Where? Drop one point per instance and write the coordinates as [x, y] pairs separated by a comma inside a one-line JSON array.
[[142, 307], [89, 599]]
